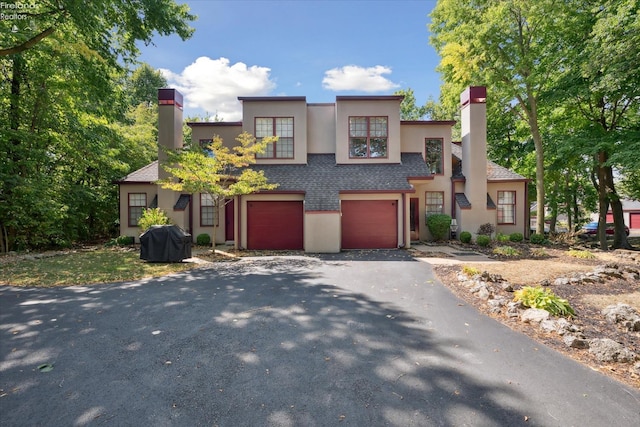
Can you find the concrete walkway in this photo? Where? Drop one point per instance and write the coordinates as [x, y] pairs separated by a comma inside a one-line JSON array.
[[448, 255]]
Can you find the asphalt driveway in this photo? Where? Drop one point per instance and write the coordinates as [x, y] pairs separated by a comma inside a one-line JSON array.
[[363, 339]]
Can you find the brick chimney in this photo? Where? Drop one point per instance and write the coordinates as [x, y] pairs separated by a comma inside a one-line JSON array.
[[474, 145], [169, 136]]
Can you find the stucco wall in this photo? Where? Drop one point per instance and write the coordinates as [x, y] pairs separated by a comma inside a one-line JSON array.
[[227, 133], [521, 205], [321, 128], [322, 232]]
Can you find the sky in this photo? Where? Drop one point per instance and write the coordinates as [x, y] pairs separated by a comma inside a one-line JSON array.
[[316, 49]]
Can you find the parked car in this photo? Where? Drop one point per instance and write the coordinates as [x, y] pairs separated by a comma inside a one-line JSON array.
[[591, 229]]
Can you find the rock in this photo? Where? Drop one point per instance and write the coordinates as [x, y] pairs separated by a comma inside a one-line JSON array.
[[506, 286], [623, 314], [534, 315], [575, 341], [484, 293], [495, 278], [545, 282], [607, 350], [549, 325], [561, 281]]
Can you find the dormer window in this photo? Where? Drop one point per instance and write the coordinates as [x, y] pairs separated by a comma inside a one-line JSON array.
[[368, 137], [282, 127]]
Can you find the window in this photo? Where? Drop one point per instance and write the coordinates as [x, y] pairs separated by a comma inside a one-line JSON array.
[[434, 202], [204, 145], [368, 137], [506, 207], [207, 210], [282, 127], [433, 155], [137, 204]]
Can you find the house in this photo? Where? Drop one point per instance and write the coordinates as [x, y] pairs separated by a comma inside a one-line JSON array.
[[351, 175], [630, 213]]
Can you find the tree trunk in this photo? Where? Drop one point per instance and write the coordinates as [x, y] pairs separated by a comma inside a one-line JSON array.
[[620, 240], [537, 140], [603, 202]]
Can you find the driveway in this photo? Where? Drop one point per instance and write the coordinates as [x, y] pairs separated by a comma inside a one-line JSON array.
[[358, 339]]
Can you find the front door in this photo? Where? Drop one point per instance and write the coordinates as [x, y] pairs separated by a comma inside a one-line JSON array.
[[414, 218], [229, 221]]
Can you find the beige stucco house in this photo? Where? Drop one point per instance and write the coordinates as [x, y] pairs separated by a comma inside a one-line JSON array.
[[351, 175]]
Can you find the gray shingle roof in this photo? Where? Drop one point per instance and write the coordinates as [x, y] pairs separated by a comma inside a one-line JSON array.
[[322, 179], [495, 172], [145, 174], [462, 201]]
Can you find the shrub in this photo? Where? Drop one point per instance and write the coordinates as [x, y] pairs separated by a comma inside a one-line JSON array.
[[121, 241], [516, 237], [539, 253], [580, 254], [544, 299], [502, 238], [537, 239], [151, 217], [483, 240], [203, 239], [486, 229], [465, 237], [438, 225], [470, 271], [507, 251]]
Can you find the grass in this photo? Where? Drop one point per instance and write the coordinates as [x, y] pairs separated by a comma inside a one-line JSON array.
[[84, 268]]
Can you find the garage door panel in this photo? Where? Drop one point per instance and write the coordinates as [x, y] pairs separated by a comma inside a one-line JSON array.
[[275, 225], [634, 220], [369, 224]]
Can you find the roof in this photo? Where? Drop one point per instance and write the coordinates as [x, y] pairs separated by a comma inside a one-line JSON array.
[[323, 180], [145, 175], [495, 172]]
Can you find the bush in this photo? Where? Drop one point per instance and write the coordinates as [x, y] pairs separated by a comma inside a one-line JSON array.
[[486, 229], [465, 237], [580, 254], [544, 299], [537, 239], [516, 237], [506, 251], [539, 253], [203, 240], [483, 240], [502, 238], [438, 225], [470, 271], [151, 217], [125, 240]]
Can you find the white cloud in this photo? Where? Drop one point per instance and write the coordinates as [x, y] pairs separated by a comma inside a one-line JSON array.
[[214, 85], [353, 77]]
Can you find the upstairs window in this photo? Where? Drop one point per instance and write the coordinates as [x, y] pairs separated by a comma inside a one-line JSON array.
[[207, 210], [368, 137], [506, 207], [433, 155], [282, 127], [137, 204]]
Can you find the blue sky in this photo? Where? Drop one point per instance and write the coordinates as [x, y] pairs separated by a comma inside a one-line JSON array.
[[317, 49]]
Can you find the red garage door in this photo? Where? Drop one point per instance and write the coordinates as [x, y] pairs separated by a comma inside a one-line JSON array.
[[369, 224], [275, 225], [634, 220]]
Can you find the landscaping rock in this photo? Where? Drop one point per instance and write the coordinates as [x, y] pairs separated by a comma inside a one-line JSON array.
[[534, 315], [607, 350], [623, 314], [506, 286], [575, 341], [560, 281]]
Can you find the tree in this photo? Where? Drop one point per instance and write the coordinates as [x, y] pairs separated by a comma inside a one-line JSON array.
[[513, 47], [143, 84], [216, 170], [61, 94]]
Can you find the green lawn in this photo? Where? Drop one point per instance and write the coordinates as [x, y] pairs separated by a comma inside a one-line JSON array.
[[84, 268]]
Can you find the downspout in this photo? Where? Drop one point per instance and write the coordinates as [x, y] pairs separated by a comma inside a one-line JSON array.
[[237, 225], [527, 212], [453, 199], [191, 218], [404, 220]]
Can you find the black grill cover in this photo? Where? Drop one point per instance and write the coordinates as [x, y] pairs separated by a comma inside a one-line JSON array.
[[165, 243]]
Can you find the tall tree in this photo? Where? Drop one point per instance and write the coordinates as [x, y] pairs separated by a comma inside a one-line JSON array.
[[60, 94], [143, 84], [513, 47]]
